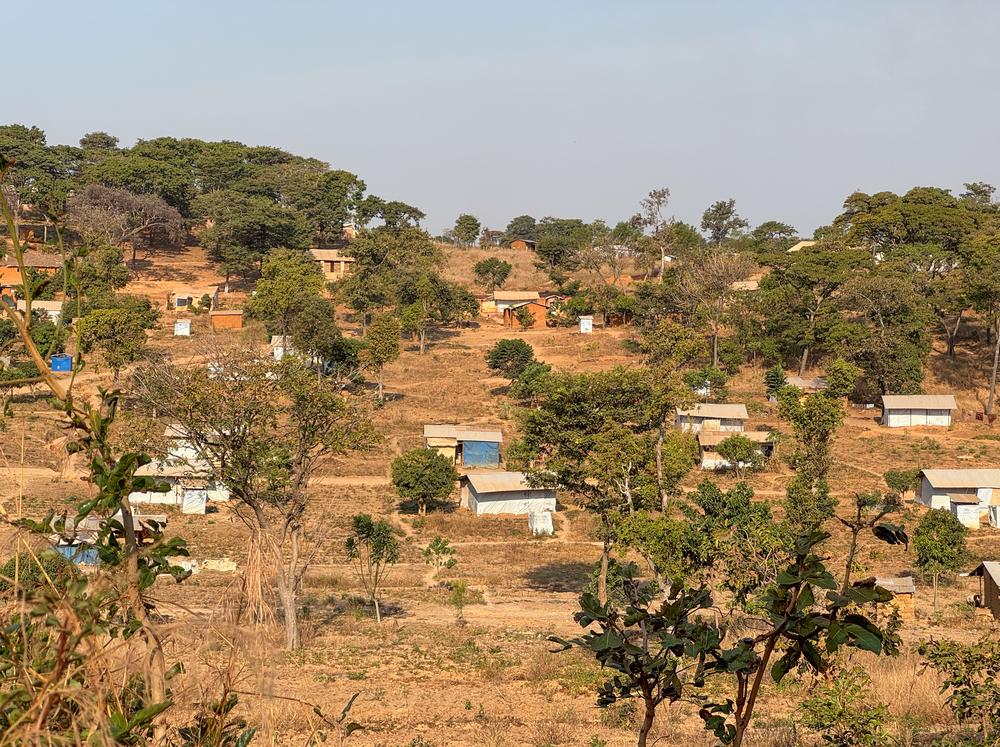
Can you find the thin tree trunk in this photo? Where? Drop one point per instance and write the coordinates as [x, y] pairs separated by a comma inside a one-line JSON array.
[[647, 719], [378, 610], [935, 592], [602, 577], [422, 337], [804, 361], [715, 345], [993, 376], [660, 436]]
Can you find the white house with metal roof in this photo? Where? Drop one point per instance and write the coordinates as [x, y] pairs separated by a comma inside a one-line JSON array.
[[903, 410], [712, 416], [504, 493], [969, 494]]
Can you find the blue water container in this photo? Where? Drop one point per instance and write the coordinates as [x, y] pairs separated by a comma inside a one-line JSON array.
[[61, 363]]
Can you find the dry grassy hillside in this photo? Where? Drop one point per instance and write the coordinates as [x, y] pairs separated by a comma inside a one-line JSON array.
[[423, 679], [524, 276]]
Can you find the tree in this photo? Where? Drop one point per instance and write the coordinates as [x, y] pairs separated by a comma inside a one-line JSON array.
[[559, 241], [845, 711], [118, 333], [385, 263], [984, 291], [869, 510], [774, 379], [440, 554], [902, 481], [289, 280], [466, 229], [815, 419], [264, 427], [939, 542], [315, 334], [888, 333], [510, 357], [106, 215], [721, 221], [242, 229], [521, 227], [373, 547], [708, 288], [492, 273], [667, 651], [423, 475], [798, 299], [382, 347], [99, 141], [525, 317], [743, 454], [970, 680]]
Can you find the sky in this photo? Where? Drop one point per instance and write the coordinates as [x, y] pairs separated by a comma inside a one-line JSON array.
[[570, 108]]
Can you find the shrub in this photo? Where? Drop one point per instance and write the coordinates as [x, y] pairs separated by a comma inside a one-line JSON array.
[[35, 571], [845, 713], [510, 357]]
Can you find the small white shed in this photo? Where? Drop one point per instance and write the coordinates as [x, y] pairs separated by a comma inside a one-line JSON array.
[[182, 328], [504, 493], [711, 416], [904, 410], [586, 325], [968, 493]]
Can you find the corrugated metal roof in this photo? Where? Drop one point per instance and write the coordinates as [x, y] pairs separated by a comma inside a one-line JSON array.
[[963, 478], [40, 305], [515, 295], [714, 438], [802, 382], [897, 584], [716, 410], [991, 567], [499, 482], [226, 312], [174, 469], [919, 402], [967, 499], [35, 259], [463, 432]]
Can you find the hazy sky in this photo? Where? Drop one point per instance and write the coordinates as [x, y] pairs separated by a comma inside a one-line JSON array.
[[574, 109]]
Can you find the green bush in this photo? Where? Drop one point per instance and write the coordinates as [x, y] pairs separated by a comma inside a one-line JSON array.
[[35, 571]]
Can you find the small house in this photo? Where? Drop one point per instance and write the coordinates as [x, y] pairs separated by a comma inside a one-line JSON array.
[[41, 262], [586, 325], [226, 319], [903, 410], [711, 416], [539, 311], [507, 299], [182, 328], [523, 245], [504, 493], [709, 440], [970, 494], [904, 592], [190, 485], [52, 310], [75, 540], [334, 263], [989, 586], [467, 445]]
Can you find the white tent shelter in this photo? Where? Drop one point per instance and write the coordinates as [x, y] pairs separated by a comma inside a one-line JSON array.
[[504, 493], [903, 410]]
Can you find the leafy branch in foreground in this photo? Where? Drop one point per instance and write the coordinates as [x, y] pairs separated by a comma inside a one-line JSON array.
[[668, 651]]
